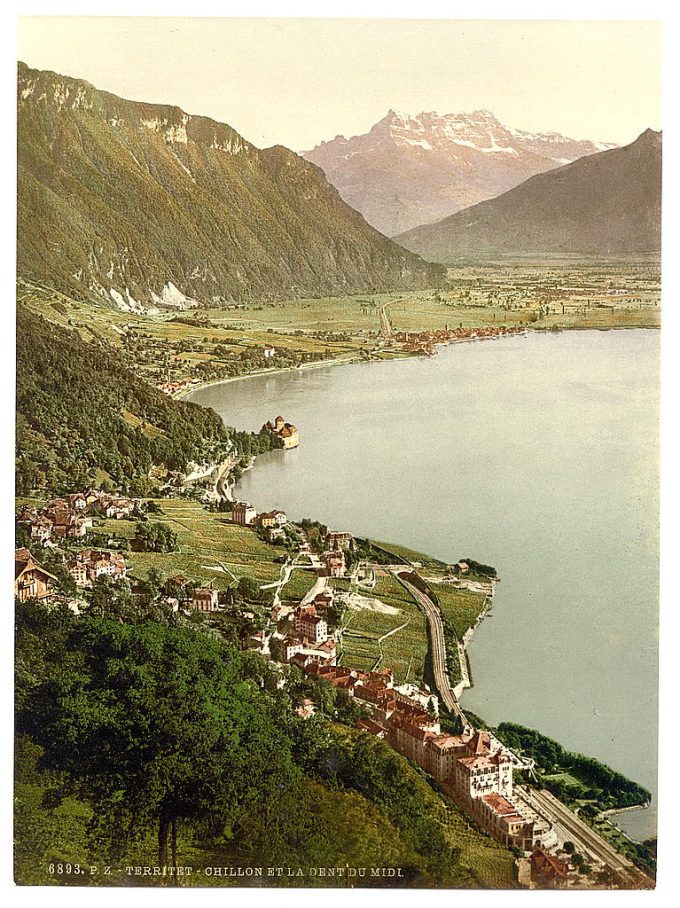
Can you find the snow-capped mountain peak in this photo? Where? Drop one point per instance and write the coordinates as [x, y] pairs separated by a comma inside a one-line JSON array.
[[411, 169]]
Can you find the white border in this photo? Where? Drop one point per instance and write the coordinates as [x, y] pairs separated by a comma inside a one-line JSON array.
[[484, 9]]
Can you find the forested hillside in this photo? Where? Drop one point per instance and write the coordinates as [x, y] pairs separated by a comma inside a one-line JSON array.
[[83, 417], [147, 743]]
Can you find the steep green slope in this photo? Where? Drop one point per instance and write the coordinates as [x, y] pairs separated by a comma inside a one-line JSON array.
[[603, 204], [150, 203], [80, 411], [126, 726]]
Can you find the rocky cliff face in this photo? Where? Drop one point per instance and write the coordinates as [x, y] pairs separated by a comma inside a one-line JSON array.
[[409, 171], [604, 204], [145, 205]]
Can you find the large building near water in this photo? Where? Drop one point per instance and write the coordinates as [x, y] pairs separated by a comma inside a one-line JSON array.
[[286, 431]]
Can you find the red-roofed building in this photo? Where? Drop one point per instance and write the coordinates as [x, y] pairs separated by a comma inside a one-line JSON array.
[[243, 514], [335, 563], [324, 599], [272, 519], [505, 822], [375, 728], [547, 870], [286, 431], [88, 565], [309, 624], [338, 541], [475, 776], [306, 709]]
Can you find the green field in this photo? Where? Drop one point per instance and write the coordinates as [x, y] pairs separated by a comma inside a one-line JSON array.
[[206, 539], [404, 651], [543, 294], [461, 607]]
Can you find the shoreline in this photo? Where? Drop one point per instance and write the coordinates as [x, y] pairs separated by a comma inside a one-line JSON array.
[[185, 392], [358, 360], [466, 682], [614, 811], [351, 361]]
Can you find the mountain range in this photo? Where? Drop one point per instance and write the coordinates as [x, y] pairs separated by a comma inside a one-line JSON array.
[[603, 204], [412, 170], [146, 205]]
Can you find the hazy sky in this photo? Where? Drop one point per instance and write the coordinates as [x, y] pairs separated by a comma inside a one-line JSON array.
[[298, 81]]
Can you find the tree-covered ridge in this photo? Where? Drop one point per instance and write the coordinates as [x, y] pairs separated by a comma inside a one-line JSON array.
[[153, 743], [130, 197], [74, 407], [590, 779]]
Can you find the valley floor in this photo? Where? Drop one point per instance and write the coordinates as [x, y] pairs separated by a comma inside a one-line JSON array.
[[181, 349]]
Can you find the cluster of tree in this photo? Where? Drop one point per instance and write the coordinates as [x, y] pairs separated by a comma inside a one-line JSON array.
[[250, 444], [362, 763], [248, 360], [71, 397], [194, 321], [191, 743], [366, 550], [315, 533], [248, 590], [451, 640], [598, 782], [169, 735], [155, 537], [481, 570]]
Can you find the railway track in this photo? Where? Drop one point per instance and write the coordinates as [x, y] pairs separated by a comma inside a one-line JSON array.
[[438, 646], [599, 849]]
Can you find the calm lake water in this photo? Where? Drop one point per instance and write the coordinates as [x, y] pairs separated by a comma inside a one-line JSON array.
[[535, 454]]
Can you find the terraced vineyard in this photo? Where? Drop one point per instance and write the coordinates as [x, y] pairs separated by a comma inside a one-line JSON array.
[[365, 644], [299, 585], [461, 607], [206, 539]]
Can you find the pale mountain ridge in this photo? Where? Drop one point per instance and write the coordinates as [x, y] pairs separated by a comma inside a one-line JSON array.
[[411, 170]]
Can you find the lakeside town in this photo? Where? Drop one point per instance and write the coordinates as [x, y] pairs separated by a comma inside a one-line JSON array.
[[489, 781], [181, 351]]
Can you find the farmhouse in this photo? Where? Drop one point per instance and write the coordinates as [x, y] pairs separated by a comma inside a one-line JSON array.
[[31, 580], [243, 513], [205, 599]]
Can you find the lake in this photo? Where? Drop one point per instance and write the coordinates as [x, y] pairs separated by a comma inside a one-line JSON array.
[[536, 454]]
